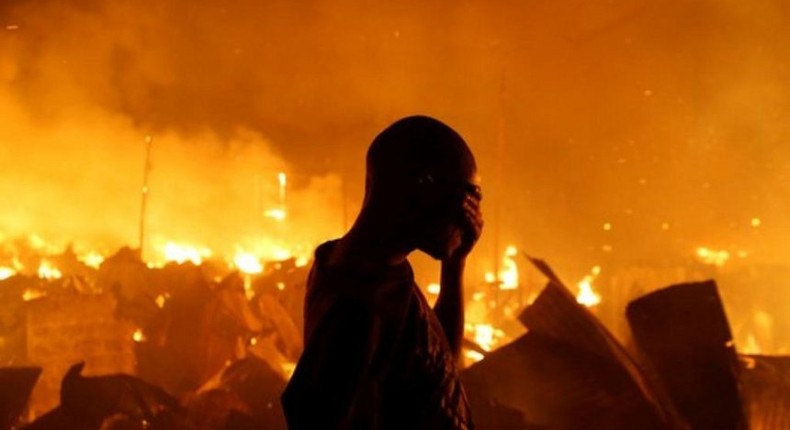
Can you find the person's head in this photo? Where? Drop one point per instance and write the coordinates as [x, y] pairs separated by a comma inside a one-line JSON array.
[[420, 170]]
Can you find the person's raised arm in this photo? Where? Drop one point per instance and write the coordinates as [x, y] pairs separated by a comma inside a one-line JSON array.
[[449, 306]]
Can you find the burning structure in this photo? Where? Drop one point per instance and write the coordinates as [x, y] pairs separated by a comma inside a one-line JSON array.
[[634, 146]]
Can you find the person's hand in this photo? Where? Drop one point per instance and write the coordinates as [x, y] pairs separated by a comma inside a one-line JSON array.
[[471, 227]]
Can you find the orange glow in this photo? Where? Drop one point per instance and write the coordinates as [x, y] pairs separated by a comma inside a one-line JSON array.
[[179, 253], [278, 214], [587, 295], [32, 294], [92, 259], [248, 263], [713, 257], [6, 272], [47, 271]]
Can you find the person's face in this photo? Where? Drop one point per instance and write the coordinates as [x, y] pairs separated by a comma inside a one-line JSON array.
[[444, 221]]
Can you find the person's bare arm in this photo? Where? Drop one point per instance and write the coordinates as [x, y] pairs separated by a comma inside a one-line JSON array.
[[449, 306]]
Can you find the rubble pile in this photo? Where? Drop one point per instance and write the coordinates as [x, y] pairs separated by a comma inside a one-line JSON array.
[[186, 346]]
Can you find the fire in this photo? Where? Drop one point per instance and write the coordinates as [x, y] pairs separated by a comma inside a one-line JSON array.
[[434, 288], [6, 272], [280, 213], [48, 271], [713, 257], [138, 336], [92, 259], [247, 263], [178, 253], [587, 295], [507, 278], [486, 336]]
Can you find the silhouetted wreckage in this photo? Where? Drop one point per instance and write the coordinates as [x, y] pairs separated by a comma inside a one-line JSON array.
[[16, 385], [682, 371], [215, 344]]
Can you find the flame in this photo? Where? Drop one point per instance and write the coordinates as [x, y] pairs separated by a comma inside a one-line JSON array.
[[434, 288], [138, 336], [713, 257], [248, 263], [474, 356], [92, 259], [179, 253], [587, 295], [508, 278], [484, 336], [6, 272], [48, 271]]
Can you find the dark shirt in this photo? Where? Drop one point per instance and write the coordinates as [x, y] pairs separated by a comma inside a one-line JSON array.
[[375, 356]]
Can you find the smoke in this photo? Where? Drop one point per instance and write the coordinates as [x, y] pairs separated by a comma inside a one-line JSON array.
[[664, 120]]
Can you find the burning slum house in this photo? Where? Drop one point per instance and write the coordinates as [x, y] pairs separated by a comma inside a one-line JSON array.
[[167, 169]]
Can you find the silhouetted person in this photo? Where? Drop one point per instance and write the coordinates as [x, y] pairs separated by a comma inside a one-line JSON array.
[[376, 355]]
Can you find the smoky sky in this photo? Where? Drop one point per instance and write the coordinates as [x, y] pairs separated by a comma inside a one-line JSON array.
[[664, 119]]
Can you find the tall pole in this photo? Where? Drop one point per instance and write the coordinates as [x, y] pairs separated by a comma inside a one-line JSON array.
[[144, 194], [498, 179]]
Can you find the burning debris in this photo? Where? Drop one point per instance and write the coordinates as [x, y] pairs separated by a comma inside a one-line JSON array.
[[222, 339], [569, 371]]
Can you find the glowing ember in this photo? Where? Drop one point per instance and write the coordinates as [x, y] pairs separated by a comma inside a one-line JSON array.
[[587, 295], [47, 271], [490, 278], [180, 254], [248, 263], [31, 294], [713, 257], [138, 336], [160, 301], [6, 272], [434, 288]]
